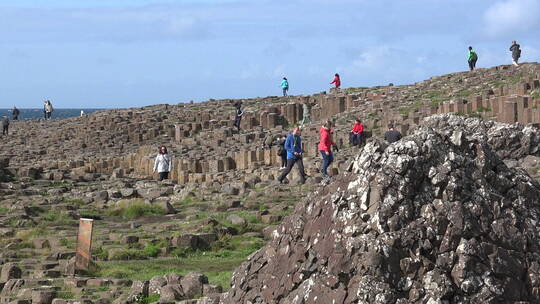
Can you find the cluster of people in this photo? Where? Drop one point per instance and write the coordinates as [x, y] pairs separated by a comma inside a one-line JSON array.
[[515, 48], [291, 149]]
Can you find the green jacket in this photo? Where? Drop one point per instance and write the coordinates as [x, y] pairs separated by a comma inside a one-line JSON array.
[[472, 55]]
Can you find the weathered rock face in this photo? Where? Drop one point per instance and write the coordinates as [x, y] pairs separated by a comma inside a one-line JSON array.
[[435, 218]]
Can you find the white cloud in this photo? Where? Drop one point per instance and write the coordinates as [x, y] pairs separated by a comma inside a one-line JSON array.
[[510, 17]]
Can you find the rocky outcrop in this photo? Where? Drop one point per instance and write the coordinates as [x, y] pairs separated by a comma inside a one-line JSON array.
[[435, 218]]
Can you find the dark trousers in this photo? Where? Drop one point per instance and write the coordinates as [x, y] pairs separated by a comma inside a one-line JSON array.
[[285, 91], [472, 64], [284, 160], [356, 139], [48, 115], [327, 160], [163, 175], [5, 130], [16, 117], [237, 122], [290, 164]]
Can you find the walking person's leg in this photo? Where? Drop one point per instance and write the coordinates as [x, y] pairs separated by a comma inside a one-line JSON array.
[[283, 160], [290, 164], [325, 163], [300, 165], [471, 67], [474, 64]]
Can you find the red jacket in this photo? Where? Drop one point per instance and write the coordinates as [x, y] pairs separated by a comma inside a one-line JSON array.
[[336, 81], [326, 140], [358, 128]]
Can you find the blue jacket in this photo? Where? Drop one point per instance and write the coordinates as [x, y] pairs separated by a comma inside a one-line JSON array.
[[293, 144], [284, 84]]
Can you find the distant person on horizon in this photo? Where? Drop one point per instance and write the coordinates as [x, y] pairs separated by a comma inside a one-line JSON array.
[[336, 81], [82, 113], [325, 147], [238, 115], [48, 109], [357, 133], [5, 126], [473, 57], [516, 52], [163, 163], [285, 86], [391, 136], [293, 145], [15, 113]]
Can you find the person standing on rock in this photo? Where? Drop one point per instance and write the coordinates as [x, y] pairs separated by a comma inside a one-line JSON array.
[[285, 86], [473, 57], [357, 133], [163, 163], [48, 109], [336, 81], [391, 136], [15, 113], [5, 126], [325, 147], [516, 52], [238, 115], [282, 153], [293, 145]]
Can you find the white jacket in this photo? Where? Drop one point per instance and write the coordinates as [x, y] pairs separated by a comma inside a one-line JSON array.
[[163, 163]]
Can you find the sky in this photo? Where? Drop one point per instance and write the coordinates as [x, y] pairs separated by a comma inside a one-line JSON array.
[[130, 53]]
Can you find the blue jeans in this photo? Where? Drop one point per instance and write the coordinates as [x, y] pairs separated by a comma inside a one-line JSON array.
[[356, 139], [327, 160], [285, 91]]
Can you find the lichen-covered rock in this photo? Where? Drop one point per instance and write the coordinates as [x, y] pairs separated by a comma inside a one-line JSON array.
[[435, 218]]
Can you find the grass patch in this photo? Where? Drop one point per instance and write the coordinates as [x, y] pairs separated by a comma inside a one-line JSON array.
[[3, 210], [65, 295], [226, 254], [137, 209], [534, 95], [149, 299]]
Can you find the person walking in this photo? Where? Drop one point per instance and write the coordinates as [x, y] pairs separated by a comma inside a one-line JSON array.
[[163, 163], [357, 133], [5, 126], [325, 147], [238, 115], [336, 81], [516, 52], [293, 145], [285, 86], [15, 113], [48, 109], [282, 153], [473, 57], [391, 136]]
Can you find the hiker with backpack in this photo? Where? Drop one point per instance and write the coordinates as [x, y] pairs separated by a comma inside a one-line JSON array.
[[285, 86], [516, 52], [163, 163], [47, 109], [295, 152], [473, 57]]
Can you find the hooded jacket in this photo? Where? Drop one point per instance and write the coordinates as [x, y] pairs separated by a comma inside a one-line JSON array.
[[284, 84], [325, 143]]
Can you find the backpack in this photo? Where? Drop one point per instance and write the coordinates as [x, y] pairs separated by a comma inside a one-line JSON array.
[[474, 56]]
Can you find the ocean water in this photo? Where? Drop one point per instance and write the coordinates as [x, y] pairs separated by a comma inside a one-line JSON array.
[[27, 114]]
